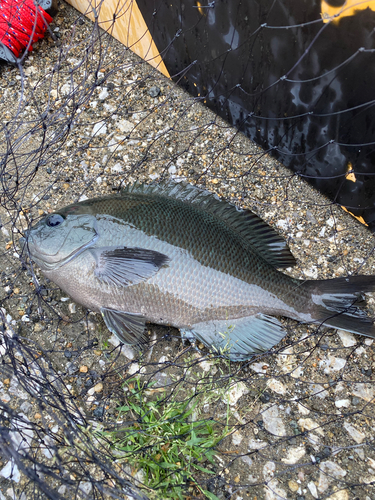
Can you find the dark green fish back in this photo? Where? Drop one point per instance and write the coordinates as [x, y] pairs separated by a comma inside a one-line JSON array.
[[212, 231]]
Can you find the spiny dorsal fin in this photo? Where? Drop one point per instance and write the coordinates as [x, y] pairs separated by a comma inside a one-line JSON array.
[[260, 237]]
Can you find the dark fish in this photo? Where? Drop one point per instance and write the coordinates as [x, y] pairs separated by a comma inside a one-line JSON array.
[[177, 255]]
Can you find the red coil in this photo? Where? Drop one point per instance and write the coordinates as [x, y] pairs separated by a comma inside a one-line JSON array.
[[22, 22]]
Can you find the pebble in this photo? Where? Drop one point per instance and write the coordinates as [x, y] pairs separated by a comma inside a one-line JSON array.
[[354, 432], [339, 495], [117, 168], [256, 444], [342, 403], [293, 485], [235, 393], [364, 391], [318, 390], [347, 339], [154, 91], [276, 386], [309, 425], [294, 455], [236, 438], [99, 412], [85, 486], [329, 471], [103, 94], [312, 488], [273, 490], [133, 368], [11, 471], [272, 422], [332, 364], [98, 387], [99, 128], [125, 126], [71, 367], [269, 469], [72, 308], [259, 367]]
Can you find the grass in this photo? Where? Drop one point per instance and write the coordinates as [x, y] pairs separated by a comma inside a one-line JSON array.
[[167, 442]]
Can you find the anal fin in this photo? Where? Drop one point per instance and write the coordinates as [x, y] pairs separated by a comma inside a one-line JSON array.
[[129, 328], [239, 339]]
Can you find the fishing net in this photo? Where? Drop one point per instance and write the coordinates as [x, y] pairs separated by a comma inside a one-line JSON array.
[[83, 417]]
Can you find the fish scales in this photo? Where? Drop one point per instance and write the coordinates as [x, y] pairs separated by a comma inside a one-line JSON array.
[[175, 254]]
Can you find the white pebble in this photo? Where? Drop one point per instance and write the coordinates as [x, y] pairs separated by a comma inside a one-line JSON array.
[[354, 433], [276, 386], [103, 94], [347, 339], [10, 471], [125, 126], [117, 169], [272, 422], [99, 128], [72, 308], [294, 455], [342, 403], [235, 393]]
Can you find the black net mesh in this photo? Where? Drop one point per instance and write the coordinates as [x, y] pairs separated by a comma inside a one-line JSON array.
[[85, 418]]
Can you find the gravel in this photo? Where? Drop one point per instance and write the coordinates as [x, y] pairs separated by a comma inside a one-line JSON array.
[[302, 416]]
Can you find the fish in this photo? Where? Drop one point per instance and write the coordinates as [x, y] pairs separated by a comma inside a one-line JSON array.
[[175, 254]]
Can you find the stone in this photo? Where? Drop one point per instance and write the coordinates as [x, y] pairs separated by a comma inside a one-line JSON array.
[[72, 308], [312, 488], [103, 94], [259, 367], [11, 471], [364, 391], [247, 460], [276, 386], [117, 169], [294, 455], [85, 486], [332, 364], [272, 422], [329, 471], [342, 403], [309, 425], [354, 433], [99, 128], [125, 126], [269, 469], [235, 393], [98, 387], [273, 491], [339, 495], [347, 339], [154, 91], [256, 444], [293, 485], [318, 390], [236, 438]]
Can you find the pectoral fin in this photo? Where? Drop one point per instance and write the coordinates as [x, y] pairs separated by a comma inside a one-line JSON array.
[[240, 338], [129, 328], [126, 266]]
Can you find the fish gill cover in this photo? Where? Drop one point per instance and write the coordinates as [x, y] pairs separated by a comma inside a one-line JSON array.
[[84, 418]]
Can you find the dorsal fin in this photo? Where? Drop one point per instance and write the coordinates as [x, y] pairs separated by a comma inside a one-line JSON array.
[[258, 235]]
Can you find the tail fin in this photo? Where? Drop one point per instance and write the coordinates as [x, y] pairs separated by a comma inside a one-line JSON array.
[[338, 303]]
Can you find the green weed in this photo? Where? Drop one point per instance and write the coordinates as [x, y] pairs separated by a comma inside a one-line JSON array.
[[167, 442]]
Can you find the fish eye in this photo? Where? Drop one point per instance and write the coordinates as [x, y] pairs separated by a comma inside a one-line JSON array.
[[54, 220]]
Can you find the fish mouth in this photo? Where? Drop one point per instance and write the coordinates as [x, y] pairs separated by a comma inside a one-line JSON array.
[[51, 266]]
